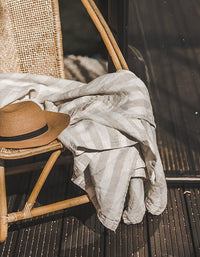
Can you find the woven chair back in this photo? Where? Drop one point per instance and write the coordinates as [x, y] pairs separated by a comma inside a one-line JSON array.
[[30, 37]]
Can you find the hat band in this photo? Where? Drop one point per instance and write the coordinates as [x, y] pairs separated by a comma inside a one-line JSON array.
[[26, 136]]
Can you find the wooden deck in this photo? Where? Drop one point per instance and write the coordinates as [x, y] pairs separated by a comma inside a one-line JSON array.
[[77, 231], [167, 34]]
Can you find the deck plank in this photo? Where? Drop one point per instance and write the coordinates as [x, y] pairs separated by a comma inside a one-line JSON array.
[[192, 196], [170, 233], [128, 240]]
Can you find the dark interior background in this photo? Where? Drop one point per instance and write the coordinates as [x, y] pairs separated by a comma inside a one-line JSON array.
[[80, 36]]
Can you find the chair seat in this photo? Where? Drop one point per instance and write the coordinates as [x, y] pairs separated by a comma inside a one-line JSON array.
[[9, 154]]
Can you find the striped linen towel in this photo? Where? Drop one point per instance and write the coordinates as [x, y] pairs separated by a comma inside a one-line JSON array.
[[112, 137]]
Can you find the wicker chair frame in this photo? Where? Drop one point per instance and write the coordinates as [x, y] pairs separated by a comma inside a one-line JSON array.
[[55, 147]]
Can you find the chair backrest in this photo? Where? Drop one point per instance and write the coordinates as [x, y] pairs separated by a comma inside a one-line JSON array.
[[30, 37], [31, 41]]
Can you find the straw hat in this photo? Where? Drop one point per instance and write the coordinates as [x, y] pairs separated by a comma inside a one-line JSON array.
[[25, 124]]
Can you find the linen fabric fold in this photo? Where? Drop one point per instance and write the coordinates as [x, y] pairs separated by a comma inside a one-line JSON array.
[[111, 135]]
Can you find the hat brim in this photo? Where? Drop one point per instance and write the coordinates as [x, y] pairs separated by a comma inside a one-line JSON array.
[[56, 122]]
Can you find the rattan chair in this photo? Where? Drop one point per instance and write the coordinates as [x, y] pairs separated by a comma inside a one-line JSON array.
[[24, 48]]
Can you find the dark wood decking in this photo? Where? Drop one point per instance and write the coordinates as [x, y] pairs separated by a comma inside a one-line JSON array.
[[167, 34], [77, 231]]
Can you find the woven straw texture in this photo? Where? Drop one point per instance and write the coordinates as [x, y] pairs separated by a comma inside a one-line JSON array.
[[30, 37]]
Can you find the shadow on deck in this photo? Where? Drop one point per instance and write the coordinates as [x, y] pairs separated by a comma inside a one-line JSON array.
[[77, 231]]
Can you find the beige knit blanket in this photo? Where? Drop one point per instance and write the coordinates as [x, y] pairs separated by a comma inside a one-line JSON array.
[[112, 137]]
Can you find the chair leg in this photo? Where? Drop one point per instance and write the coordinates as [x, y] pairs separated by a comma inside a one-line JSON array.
[[29, 204], [3, 204]]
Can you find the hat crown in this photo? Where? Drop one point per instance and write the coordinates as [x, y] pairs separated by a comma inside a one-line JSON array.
[[21, 118]]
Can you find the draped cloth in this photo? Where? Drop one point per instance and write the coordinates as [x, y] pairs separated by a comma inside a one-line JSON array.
[[111, 135]]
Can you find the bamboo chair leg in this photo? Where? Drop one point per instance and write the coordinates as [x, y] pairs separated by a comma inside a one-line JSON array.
[[29, 204], [34, 212], [3, 204], [30, 212]]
